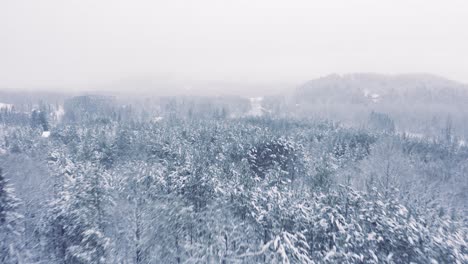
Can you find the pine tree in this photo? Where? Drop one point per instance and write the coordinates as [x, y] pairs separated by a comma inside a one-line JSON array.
[[140, 186], [78, 214], [88, 217], [10, 231]]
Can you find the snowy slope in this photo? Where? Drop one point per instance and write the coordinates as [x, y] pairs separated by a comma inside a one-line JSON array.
[[256, 108], [6, 106], [378, 88]]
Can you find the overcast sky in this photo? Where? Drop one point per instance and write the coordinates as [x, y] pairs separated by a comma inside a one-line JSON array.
[[62, 43]]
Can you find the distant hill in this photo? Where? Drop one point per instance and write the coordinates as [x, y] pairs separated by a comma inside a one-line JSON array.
[[368, 88], [417, 103]]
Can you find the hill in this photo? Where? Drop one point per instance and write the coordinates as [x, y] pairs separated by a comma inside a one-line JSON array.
[[368, 88], [419, 103]]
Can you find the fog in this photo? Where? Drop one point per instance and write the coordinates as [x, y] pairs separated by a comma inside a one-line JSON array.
[[94, 44], [218, 131]]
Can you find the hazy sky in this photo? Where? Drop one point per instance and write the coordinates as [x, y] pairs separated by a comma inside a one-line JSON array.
[[90, 42]]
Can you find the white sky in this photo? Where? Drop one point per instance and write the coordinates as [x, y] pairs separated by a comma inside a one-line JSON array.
[[88, 42]]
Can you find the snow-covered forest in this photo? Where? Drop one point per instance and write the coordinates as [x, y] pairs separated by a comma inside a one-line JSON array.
[[104, 179]]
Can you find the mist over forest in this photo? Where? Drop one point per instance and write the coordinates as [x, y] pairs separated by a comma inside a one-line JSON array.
[[233, 132], [355, 168]]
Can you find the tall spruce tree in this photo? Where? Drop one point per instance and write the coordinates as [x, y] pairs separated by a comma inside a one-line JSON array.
[[10, 232]]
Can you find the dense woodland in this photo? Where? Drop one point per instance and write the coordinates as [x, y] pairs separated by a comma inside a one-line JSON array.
[[183, 180]]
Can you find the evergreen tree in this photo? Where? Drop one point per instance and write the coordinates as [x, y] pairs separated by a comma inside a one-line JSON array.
[[10, 231], [80, 213]]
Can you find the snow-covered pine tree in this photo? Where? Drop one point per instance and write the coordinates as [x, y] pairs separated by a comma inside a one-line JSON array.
[[10, 231], [78, 214], [86, 209], [140, 185]]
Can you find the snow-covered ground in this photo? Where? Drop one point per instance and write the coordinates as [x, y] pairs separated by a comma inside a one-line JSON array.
[[158, 119], [461, 142], [414, 135], [6, 106], [374, 97], [256, 108], [46, 134], [59, 113]]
